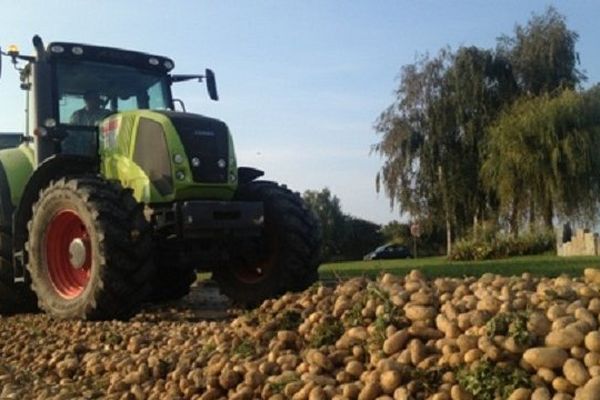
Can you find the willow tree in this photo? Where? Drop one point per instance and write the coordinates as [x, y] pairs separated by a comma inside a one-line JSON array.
[[431, 135], [544, 151], [542, 54]]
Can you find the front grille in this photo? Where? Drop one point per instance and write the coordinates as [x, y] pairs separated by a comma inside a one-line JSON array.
[[152, 155], [206, 141]]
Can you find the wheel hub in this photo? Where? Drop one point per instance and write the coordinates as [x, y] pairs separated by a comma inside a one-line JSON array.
[[68, 253], [77, 253]]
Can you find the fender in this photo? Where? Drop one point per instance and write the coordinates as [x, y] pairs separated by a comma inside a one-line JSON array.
[[16, 165], [55, 167], [248, 174]]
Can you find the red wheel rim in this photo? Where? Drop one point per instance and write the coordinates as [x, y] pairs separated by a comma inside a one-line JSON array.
[[68, 254], [256, 270]]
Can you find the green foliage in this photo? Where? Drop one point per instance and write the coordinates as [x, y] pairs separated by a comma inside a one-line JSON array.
[[344, 237], [513, 324], [392, 315], [479, 134], [329, 211], [542, 53], [207, 350], [431, 136], [541, 265], [501, 246], [278, 385], [542, 157], [244, 349], [427, 380], [360, 237], [289, 320], [353, 316], [397, 232], [431, 242], [486, 381], [326, 333]]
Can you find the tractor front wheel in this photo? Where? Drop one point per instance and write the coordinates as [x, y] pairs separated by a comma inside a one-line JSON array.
[[285, 258], [89, 250]]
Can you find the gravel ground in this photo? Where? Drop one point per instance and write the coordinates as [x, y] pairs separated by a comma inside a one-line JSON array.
[[396, 338]]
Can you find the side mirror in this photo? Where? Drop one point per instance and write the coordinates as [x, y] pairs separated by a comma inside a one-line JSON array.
[[211, 85]]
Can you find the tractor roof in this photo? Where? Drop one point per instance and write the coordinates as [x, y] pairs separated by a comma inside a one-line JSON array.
[[111, 55]]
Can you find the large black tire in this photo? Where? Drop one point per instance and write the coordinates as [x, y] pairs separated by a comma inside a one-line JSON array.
[[285, 259], [14, 297], [89, 250], [171, 283]]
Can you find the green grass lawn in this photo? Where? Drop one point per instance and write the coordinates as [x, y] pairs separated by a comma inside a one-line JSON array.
[[547, 265]]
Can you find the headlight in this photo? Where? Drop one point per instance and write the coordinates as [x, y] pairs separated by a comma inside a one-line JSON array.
[[50, 123], [57, 49]]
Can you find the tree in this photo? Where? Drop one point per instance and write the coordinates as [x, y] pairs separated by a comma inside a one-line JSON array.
[[435, 137], [344, 237], [542, 157], [396, 232], [542, 54], [328, 209], [432, 136], [360, 237]]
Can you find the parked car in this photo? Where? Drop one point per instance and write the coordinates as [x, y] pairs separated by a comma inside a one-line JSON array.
[[389, 251]]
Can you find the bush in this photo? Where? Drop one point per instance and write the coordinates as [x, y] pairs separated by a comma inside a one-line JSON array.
[[501, 245]]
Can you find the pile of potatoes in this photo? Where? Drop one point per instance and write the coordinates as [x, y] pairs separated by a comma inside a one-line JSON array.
[[398, 337], [414, 338]]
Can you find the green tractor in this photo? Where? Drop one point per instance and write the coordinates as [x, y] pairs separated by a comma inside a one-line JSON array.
[[113, 199]]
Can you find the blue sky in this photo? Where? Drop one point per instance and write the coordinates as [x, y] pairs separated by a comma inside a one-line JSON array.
[[301, 82]]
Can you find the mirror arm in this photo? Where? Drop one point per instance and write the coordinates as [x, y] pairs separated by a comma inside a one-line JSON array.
[[182, 78], [180, 102]]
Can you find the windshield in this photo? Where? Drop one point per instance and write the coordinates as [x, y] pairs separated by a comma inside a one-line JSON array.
[[89, 91]]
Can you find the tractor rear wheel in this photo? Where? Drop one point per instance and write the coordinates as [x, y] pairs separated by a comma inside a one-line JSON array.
[[89, 250], [285, 258], [171, 283]]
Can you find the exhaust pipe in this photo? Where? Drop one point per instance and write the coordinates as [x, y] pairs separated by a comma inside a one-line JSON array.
[[38, 45]]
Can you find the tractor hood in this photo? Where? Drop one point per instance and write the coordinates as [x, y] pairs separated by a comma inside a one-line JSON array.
[[206, 144]]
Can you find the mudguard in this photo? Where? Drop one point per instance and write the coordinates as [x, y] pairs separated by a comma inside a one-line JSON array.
[[16, 166], [53, 168]]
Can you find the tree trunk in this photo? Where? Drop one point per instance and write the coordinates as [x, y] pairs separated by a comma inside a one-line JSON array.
[[514, 219], [531, 215], [475, 227], [549, 215], [448, 236], [446, 210]]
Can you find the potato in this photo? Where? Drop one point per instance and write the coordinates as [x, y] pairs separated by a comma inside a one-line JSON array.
[[370, 391], [575, 372], [390, 381], [395, 343], [545, 357], [591, 390], [520, 394], [541, 393], [564, 338], [416, 312]]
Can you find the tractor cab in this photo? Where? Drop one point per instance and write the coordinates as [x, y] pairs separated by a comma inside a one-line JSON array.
[[60, 77]]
